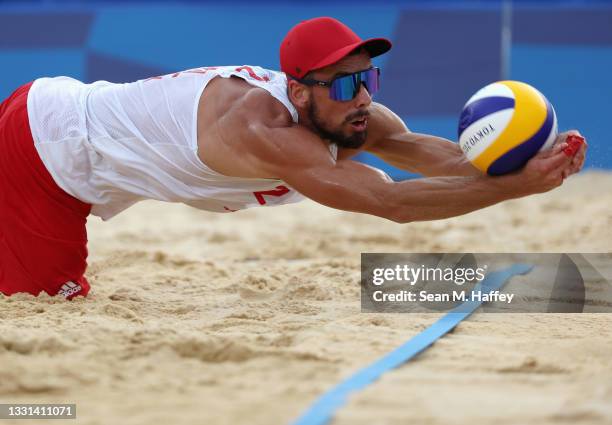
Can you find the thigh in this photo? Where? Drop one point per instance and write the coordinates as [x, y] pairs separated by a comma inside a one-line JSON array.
[[43, 238]]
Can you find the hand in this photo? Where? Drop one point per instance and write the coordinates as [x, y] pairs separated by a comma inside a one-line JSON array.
[[546, 170], [578, 156]]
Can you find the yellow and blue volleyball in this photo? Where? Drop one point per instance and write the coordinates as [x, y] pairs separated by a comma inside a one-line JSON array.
[[505, 124]]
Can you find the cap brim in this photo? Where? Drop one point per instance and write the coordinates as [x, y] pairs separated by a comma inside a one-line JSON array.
[[374, 47]]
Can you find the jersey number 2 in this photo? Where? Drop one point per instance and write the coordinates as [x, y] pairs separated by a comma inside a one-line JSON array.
[[277, 191]]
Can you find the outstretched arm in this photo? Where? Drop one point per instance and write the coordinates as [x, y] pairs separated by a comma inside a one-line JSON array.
[[307, 166]]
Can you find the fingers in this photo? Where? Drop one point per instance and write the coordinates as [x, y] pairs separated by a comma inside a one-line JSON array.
[[568, 133], [574, 143], [562, 137], [557, 147], [574, 146], [548, 169], [578, 160], [558, 159]]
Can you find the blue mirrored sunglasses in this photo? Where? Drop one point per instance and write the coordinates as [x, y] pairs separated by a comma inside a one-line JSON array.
[[346, 87]]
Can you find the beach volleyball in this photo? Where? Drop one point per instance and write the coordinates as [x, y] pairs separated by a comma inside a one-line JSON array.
[[259, 213], [504, 124]]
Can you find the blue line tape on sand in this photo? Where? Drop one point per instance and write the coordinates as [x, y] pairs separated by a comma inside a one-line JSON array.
[[324, 408]]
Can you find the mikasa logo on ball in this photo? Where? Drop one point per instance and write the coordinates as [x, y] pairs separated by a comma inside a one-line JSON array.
[[481, 134]]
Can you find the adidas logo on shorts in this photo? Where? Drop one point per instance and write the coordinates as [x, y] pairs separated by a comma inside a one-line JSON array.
[[69, 288]]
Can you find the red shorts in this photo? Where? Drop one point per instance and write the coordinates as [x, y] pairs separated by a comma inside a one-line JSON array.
[[43, 239]]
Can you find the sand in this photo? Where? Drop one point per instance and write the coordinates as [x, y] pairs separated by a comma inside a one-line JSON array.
[[245, 318]]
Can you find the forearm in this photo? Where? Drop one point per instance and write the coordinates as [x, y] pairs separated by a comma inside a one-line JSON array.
[[353, 186], [444, 158], [427, 155], [443, 197]]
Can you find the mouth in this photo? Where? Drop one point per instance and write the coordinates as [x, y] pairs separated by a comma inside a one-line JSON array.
[[359, 124]]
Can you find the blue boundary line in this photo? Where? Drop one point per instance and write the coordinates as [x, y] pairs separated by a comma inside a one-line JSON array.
[[322, 410]]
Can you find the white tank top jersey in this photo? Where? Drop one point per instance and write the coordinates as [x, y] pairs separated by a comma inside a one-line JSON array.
[[112, 145]]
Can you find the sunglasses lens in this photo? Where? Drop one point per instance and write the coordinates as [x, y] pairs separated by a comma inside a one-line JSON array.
[[371, 80], [343, 88], [346, 87]]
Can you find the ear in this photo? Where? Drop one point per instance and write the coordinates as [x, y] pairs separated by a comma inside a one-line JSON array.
[[298, 93]]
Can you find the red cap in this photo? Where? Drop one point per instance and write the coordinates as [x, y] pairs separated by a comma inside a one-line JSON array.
[[319, 42]]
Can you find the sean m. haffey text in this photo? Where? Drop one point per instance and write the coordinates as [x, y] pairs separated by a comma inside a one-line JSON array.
[[411, 275]]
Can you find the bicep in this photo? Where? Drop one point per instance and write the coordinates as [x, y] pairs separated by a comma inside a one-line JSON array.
[[301, 159]]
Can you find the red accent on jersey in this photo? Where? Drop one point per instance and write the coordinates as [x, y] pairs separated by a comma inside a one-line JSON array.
[[278, 191], [201, 70], [252, 73], [196, 71]]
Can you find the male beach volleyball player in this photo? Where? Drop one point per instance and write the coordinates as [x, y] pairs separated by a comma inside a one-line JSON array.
[[200, 137]]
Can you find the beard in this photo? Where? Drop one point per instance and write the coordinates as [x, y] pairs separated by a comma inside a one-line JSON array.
[[354, 141]]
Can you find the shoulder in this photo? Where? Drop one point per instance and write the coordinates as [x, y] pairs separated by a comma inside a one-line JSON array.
[[236, 108], [258, 106], [264, 130]]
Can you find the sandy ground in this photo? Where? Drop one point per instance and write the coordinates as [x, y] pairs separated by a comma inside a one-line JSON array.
[[245, 318]]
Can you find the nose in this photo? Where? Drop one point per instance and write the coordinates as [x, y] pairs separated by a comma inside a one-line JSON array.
[[363, 98]]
